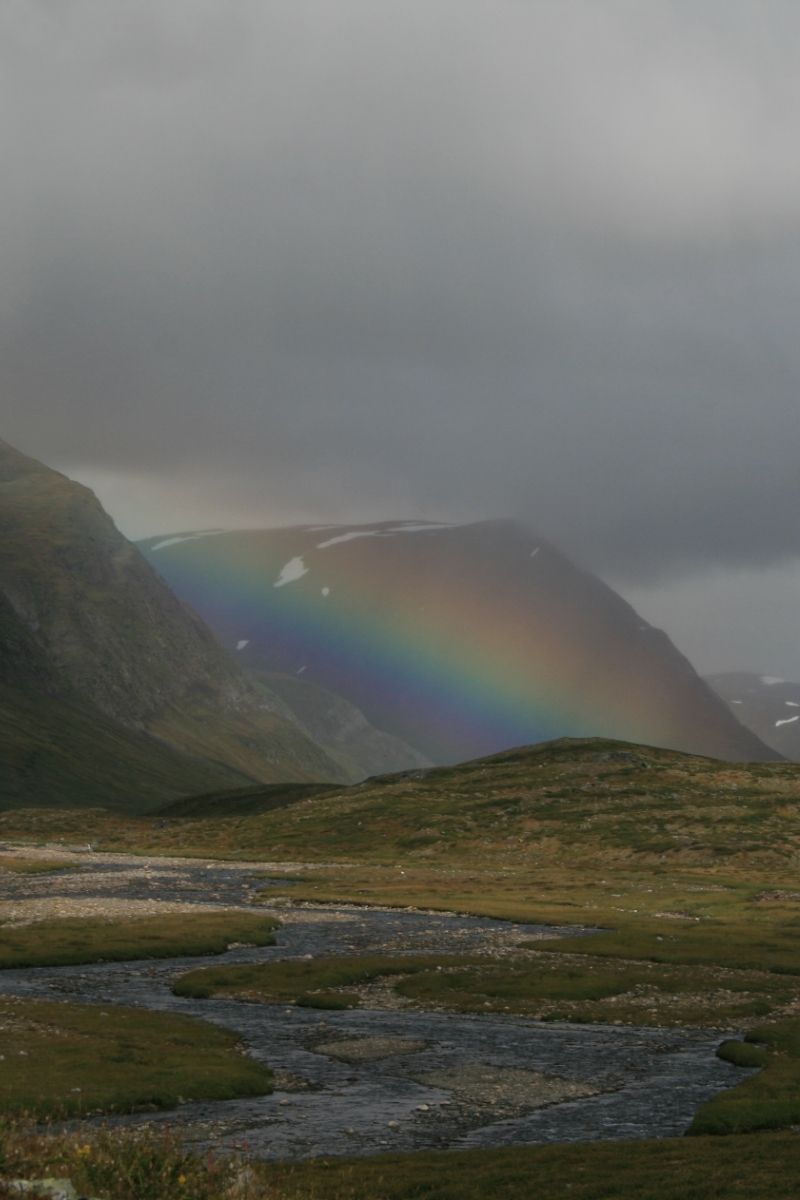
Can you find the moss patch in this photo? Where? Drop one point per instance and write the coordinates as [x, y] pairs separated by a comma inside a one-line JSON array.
[[86, 940], [69, 1059], [33, 866]]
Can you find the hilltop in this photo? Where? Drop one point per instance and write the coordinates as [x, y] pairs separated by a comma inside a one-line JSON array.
[[560, 804]]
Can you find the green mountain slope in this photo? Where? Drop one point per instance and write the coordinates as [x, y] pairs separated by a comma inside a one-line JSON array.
[[87, 623], [56, 753]]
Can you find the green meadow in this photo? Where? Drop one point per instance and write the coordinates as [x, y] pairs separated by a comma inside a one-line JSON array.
[[61, 1060]]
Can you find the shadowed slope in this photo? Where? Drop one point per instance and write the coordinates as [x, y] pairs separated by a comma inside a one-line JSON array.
[[85, 622]]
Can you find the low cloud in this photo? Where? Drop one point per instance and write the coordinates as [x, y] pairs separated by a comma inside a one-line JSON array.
[[286, 261]]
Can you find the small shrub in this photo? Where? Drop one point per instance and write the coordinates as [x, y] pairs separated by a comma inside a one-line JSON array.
[[742, 1054]]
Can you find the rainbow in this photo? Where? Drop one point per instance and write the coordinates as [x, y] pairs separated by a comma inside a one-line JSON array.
[[424, 640]]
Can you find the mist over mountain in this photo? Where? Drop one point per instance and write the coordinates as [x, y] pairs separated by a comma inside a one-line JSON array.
[[461, 640]]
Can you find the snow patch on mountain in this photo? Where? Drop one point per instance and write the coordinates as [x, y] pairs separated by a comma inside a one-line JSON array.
[[771, 680], [426, 528], [186, 537], [352, 534], [350, 537], [786, 721], [291, 571]]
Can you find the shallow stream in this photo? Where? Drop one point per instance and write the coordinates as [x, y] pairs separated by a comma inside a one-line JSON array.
[[486, 1068]]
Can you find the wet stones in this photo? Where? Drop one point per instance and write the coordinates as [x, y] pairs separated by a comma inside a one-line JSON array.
[[506, 1089], [368, 1048]]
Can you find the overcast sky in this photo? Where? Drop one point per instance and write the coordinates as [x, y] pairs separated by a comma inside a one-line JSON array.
[[273, 260]]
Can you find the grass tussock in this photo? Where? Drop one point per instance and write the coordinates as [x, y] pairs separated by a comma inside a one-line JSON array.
[[73, 1060], [767, 1100], [73, 940], [312, 983], [742, 1054], [18, 865]]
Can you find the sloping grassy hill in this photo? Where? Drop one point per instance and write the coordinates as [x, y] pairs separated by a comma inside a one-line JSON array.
[[688, 865], [53, 752], [573, 800]]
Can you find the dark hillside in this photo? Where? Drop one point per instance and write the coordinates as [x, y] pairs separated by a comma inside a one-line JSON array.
[[87, 623]]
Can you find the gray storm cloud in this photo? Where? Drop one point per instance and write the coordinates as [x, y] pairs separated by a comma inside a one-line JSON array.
[[456, 258]]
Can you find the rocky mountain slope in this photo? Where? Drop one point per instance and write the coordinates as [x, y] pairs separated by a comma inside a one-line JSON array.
[[461, 640], [767, 705], [108, 680]]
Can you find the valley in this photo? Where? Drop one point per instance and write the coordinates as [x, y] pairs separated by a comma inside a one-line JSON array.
[[261, 906], [542, 949], [399, 672]]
